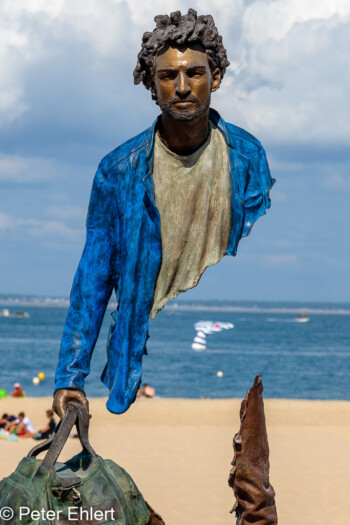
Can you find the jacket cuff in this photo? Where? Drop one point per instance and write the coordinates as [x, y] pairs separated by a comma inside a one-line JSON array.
[[69, 383]]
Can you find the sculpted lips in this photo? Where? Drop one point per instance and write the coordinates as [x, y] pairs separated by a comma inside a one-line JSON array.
[[184, 102]]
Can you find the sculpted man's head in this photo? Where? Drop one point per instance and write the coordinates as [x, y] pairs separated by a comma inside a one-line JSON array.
[[182, 62]]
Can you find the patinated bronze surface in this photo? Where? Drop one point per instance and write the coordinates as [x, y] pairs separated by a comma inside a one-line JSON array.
[[183, 83], [249, 476], [193, 192], [63, 395], [155, 519], [182, 61], [181, 74]]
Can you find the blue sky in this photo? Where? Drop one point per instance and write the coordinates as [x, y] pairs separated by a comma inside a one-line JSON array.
[[67, 98]]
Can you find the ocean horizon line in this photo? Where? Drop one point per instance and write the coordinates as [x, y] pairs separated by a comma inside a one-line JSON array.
[[201, 305]]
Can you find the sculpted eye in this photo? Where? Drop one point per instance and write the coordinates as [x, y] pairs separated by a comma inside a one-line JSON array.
[[167, 75], [196, 72]]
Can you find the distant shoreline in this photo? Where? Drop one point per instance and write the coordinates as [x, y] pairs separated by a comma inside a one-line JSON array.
[[246, 307]]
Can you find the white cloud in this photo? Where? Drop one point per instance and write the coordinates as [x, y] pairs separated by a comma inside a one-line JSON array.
[[295, 88], [66, 211], [26, 170], [66, 92], [7, 222], [39, 228], [288, 82], [19, 47], [271, 19], [336, 182], [51, 9]]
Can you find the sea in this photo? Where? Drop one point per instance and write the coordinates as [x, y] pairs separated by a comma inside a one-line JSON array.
[[297, 360]]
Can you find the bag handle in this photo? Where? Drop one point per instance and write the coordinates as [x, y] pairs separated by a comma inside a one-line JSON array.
[[75, 413]]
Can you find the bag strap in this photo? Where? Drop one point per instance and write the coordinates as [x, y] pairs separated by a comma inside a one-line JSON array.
[[41, 447], [75, 413]]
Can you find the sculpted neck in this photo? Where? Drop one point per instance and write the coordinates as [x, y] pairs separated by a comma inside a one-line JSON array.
[[184, 137]]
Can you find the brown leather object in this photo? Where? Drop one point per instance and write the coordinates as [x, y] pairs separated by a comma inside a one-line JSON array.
[[249, 476], [155, 519]]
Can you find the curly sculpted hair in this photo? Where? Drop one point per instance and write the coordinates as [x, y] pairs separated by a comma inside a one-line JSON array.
[[178, 29]]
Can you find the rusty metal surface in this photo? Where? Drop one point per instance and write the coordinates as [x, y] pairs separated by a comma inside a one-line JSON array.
[[249, 476], [155, 519]]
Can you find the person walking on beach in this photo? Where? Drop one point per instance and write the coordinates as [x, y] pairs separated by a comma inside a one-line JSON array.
[[164, 206]]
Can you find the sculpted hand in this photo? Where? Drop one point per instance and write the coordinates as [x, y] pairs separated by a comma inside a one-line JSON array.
[[63, 395]]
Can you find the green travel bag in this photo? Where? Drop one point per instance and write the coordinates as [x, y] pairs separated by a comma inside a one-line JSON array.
[[86, 490]]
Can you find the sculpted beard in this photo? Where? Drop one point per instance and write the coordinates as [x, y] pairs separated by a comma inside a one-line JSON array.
[[185, 114]]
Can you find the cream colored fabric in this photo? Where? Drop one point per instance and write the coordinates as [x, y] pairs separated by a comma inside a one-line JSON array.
[[193, 196]]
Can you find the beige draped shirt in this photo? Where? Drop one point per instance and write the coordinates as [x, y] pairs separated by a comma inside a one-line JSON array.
[[193, 197]]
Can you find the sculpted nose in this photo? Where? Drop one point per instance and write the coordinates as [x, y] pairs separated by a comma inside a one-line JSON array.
[[183, 88]]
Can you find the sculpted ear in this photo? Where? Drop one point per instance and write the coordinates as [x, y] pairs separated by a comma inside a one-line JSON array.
[[153, 91], [215, 79]]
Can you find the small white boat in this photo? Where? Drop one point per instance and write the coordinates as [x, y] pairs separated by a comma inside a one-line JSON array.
[[204, 328], [6, 313], [302, 318]]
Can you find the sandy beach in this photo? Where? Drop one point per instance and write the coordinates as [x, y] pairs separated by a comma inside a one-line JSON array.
[[179, 451]]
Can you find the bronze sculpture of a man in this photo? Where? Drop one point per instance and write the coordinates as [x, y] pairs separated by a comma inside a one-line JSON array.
[[164, 206]]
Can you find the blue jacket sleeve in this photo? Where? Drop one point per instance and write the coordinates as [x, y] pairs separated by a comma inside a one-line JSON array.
[[256, 195], [92, 287]]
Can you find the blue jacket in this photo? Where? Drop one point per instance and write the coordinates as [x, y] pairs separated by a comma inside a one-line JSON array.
[[123, 252]]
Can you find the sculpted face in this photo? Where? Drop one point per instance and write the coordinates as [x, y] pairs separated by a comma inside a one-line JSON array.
[[183, 82]]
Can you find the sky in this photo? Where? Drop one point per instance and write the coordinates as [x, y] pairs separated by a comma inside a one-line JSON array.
[[67, 98]]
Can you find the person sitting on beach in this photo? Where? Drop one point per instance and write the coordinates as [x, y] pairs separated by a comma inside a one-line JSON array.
[[22, 426], [5, 419], [50, 428], [18, 391], [146, 391]]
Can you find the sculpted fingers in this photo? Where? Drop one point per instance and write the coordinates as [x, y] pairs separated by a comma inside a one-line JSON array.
[[63, 396]]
